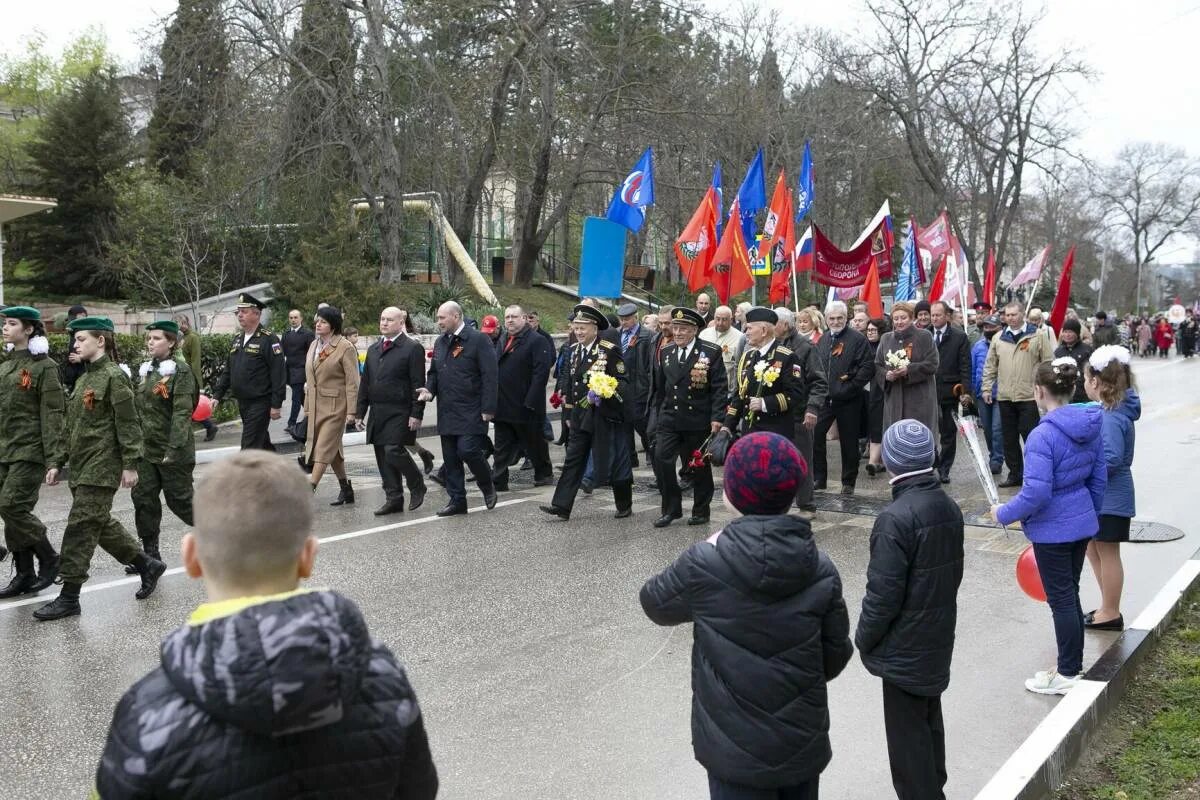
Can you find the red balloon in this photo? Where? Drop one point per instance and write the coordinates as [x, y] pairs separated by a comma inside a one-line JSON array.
[[1028, 577], [204, 409]]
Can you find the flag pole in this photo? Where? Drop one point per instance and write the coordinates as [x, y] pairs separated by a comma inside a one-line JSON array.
[[1033, 293]]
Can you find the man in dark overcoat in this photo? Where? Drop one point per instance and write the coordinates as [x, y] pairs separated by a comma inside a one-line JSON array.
[[462, 378], [848, 363], [525, 358], [393, 374], [953, 381], [295, 340]]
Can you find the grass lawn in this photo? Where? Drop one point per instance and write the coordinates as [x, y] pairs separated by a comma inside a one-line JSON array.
[[1149, 749]]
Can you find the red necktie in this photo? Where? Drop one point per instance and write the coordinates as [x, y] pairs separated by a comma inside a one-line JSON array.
[[509, 344], [387, 344]]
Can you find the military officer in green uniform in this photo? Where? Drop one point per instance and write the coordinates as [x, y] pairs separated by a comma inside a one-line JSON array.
[[166, 396], [104, 445], [770, 384], [594, 420], [690, 383], [31, 421], [256, 374]]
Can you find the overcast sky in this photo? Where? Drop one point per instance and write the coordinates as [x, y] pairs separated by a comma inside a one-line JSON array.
[[1145, 53]]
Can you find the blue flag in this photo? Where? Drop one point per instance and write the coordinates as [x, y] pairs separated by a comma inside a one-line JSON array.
[[752, 196], [804, 187], [906, 281], [628, 206], [601, 258], [716, 184]]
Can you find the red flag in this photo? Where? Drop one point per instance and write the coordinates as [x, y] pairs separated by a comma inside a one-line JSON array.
[[989, 280], [834, 267], [731, 263], [779, 241], [871, 293], [695, 246], [1058, 314], [939, 281]]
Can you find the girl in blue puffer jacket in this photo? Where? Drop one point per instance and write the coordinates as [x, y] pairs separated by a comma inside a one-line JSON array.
[[1109, 381], [1059, 506]]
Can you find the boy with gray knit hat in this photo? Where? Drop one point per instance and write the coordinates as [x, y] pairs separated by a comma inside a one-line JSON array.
[[905, 633]]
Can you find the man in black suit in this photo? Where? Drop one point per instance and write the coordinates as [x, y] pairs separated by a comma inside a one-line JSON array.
[[849, 365], [462, 377], [635, 352], [693, 384], [953, 380], [295, 340], [593, 420], [525, 359], [393, 374]]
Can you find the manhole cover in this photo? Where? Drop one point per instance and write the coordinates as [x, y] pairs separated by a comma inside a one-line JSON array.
[[1153, 532]]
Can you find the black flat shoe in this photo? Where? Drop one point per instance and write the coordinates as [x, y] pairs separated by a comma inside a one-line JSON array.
[[452, 511], [623, 513], [1009, 483], [847, 490], [1117, 624], [555, 511], [427, 462], [489, 499], [665, 520], [697, 520], [586, 487], [820, 486], [873, 470]]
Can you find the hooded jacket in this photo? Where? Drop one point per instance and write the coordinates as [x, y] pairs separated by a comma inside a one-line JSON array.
[[1065, 477], [1119, 438], [905, 633], [287, 698], [771, 628]]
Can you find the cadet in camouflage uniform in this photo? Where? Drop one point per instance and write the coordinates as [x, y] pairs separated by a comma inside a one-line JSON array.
[[31, 420], [104, 444], [166, 397]]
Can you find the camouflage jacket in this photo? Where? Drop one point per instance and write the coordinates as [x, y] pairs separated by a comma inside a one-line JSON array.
[[31, 411], [103, 432], [165, 400]]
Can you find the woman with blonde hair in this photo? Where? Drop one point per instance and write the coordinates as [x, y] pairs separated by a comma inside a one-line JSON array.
[[1109, 381], [906, 363], [330, 397], [809, 324]]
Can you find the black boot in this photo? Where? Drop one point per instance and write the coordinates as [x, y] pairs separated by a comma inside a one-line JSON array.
[[48, 563], [150, 548], [346, 495], [151, 569], [25, 580], [623, 495], [65, 605]]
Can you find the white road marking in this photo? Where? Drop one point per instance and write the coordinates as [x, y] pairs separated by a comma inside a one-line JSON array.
[[88, 588]]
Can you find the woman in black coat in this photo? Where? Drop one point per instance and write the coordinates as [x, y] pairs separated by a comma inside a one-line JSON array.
[[876, 328]]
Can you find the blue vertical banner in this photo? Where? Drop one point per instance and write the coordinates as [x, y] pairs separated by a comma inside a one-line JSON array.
[[804, 186], [717, 184], [628, 206], [602, 262]]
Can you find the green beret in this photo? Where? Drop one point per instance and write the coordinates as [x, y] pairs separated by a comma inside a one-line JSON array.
[[22, 312], [102, 324], [170, 326]]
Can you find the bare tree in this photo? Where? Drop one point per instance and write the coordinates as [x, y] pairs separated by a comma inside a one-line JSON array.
[[1153, 191]]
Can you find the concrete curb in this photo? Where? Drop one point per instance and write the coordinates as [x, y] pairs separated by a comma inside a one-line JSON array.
[[1038, 767]]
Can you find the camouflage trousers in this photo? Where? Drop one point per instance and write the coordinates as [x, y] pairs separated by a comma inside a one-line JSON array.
[[91, 523], [173, 481], [19, 484]]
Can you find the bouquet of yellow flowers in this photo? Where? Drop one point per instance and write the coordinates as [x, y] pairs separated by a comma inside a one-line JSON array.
[[766, 375], [601, 386]]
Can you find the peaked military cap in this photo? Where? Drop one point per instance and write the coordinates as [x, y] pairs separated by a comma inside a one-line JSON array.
[[102, 324], [246, 300], [688, 316], [760, 314], [582, 313], [22, 312], [170, 326]]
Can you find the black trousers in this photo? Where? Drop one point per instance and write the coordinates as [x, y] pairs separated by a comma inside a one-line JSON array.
[[1017, 421], [722, 790], [470, 449], [514, 437], [297, 402], [947, 434], [804, 443], [579, 447], [396, 465], [916, 740], [848, 414], [256, 423], [672, 445]]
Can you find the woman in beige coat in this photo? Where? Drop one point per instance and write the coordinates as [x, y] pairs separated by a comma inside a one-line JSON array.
[[330, 397]]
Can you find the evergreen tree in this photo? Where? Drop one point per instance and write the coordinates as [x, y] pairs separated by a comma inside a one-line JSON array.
[[188, 109], [81, 150]]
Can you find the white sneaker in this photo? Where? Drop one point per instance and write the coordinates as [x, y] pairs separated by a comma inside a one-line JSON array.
[[1050, 682]]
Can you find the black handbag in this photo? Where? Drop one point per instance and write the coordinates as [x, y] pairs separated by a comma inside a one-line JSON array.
[[718, 447]]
